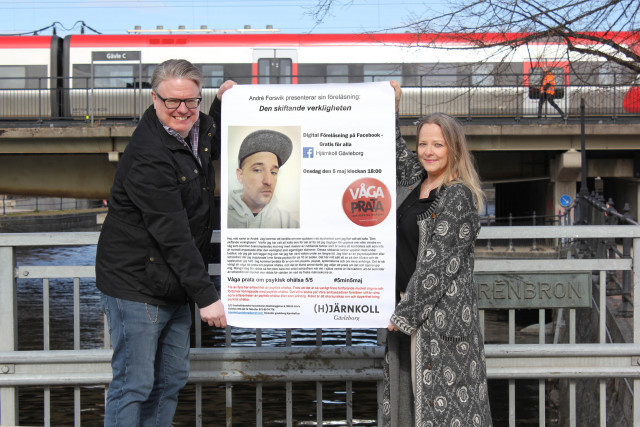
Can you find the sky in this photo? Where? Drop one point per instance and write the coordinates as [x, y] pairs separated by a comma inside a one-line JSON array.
[[287, 16]]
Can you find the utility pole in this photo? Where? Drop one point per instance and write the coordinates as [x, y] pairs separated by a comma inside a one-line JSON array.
[[584, 191]]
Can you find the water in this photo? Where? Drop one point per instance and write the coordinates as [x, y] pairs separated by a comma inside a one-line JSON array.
[[30, 337]]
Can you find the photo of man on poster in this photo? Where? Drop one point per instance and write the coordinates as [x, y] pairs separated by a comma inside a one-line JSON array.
[[252, 201]]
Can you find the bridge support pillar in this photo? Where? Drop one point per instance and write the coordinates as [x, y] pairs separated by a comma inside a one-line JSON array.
[[565, 173]]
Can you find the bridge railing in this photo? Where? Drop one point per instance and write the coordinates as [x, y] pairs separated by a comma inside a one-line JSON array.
[[594, 209], [325, 357], [465, 96]]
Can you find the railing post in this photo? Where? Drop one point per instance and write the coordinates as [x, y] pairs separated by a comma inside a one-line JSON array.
[[592, 218], [89, 100], [469, 100], [611, 218], [39, 100], [566, 98], [599, 217], [518, 100], [602, 208], [595, 212], [8, 333], [534, 246], [511, 248], [615, 91], [636, 325], [626, 309], [571, 216], [562, 220], [421, 87], [489, 248]]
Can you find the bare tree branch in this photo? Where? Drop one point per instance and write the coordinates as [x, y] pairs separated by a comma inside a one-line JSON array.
[[604, 29]]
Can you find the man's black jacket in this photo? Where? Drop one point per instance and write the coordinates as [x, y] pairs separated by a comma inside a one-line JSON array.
[[155, 242]]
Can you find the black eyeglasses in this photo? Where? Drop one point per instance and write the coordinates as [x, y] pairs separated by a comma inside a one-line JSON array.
[[173, 103]]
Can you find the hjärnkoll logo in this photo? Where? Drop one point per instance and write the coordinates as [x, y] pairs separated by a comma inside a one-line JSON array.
[[366, 202]]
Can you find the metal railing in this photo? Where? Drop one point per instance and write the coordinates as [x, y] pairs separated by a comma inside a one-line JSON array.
[[593, 209], [466, 96], [13, 204], [227, 365]]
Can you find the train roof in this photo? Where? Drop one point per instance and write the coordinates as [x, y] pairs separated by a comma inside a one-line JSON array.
[[406, 39]]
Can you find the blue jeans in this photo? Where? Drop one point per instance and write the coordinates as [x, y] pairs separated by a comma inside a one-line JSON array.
[[150, 361]]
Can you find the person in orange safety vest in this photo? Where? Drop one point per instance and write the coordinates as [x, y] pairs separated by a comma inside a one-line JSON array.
[[547, 91]]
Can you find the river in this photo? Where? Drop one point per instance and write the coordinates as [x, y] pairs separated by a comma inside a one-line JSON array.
[[30, 337]]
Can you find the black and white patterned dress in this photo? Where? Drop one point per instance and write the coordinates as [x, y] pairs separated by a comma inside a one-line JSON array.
[[440, 308]]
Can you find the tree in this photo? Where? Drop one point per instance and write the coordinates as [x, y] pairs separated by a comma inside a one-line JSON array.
[[589, 29]]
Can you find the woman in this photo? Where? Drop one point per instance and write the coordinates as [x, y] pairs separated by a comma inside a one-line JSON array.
[[439, 199]]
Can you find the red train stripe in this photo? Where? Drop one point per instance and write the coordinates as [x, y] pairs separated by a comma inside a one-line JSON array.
[[25, 42]]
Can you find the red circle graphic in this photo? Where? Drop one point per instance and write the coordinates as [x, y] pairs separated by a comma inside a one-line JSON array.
[[366, 202]]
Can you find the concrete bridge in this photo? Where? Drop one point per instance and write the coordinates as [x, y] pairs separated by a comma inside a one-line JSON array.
[[530, 165]]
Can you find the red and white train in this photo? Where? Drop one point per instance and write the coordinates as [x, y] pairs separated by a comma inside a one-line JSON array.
[[108, 75]]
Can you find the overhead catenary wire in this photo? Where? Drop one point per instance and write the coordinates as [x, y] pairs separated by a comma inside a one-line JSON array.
[[53, 26]]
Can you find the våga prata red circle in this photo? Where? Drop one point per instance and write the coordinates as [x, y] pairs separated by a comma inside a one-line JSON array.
[[366, 202]]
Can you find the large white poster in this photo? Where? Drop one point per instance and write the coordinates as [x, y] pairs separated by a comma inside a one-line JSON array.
[[308, 205]]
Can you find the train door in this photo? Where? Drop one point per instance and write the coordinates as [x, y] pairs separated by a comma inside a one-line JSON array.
[[533, 75], [113, 88], [275, 66]]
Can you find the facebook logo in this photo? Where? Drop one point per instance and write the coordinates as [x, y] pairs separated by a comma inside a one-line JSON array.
[[307, 152]]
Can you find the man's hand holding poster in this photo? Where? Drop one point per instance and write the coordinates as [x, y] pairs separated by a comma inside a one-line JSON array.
[[308, 205]]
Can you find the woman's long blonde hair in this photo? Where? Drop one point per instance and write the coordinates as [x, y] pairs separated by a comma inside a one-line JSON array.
[[460, 164]]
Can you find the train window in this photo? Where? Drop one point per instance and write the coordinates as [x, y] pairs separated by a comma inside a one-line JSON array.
[[600, 73], [508, 74], [625, 77], [13, 77], [311, 73], [274, 70], [23, 76], [382, 73], [481, 75], [324, 73], [608, 73], [584, 73], [110, 75], [535, 76], [213, 75], [239, 73], [113, 76], [438, 75], [337, 73]]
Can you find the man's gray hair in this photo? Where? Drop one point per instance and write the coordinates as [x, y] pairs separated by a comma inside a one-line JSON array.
[[176, 69]]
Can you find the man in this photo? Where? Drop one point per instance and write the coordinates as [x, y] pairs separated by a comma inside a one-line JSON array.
[[154, 248], [547, 91], [262, 154]]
